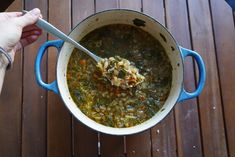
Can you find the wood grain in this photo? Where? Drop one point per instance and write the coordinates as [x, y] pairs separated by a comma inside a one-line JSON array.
[[106, 5], [11, 103], [85, 139], [81, 9], [162, 135], [186, 113], [29, 121], [140, 144], [155, 8], [224, 39], [59, 125], [110, 145], [131, 4], [34, 97], [210, 106], [164, 138]]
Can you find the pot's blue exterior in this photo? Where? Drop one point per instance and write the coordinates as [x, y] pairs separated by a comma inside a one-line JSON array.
[[52, 86], [202, 74], [178, 93], [184, 53], [231, 3]]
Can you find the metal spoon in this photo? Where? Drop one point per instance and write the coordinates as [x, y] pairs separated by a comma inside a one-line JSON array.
[[56, 32]]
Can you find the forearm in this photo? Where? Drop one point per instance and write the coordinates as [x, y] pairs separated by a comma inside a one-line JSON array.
[[3, 66], [16, 32]]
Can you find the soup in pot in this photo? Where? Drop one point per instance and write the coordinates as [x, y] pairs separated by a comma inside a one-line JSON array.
[[111, 105]]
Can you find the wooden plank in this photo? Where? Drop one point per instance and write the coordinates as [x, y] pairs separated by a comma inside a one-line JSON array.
[[234, 18], [110, 145], [131, 4], [34, 97], [85, 139], [155, 8], [186, 113], [224, 32], [10, 105], [163, 138], [81, 9], [137, 145], [212, 126], [59, 121], [162, 135], [5, 4], [105, 5]]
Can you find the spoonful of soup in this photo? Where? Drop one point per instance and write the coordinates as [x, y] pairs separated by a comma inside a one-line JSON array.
[[119, 71]]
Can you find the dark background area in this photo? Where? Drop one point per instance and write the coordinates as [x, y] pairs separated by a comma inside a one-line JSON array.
[[4, 4]]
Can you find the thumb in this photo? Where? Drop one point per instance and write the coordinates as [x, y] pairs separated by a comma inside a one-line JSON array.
[[29, 18]]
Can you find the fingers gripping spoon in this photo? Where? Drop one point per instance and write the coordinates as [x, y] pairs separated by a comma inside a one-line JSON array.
[[56, 32]]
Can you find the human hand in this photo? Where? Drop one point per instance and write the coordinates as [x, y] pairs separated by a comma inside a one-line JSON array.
[[17, 30]]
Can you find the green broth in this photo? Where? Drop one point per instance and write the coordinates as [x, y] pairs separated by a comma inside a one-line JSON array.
[[110, 105]]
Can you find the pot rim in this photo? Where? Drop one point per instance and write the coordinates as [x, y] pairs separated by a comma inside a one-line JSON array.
[[128, 132]]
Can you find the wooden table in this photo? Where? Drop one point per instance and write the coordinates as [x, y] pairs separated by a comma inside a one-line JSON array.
[[35, 123], [4, 4]]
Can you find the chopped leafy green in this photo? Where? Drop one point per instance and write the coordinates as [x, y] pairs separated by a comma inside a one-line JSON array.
[[112, 105]]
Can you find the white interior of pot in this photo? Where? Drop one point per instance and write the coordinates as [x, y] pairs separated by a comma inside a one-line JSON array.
[[122, 17]]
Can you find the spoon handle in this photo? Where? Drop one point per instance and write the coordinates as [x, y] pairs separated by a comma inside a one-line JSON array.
[[56, 32]]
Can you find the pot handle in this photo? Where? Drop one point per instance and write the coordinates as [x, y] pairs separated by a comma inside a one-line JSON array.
[[51, 86], [184, 95]]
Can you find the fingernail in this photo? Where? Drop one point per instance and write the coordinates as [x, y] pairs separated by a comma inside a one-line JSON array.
[[35, 11]]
